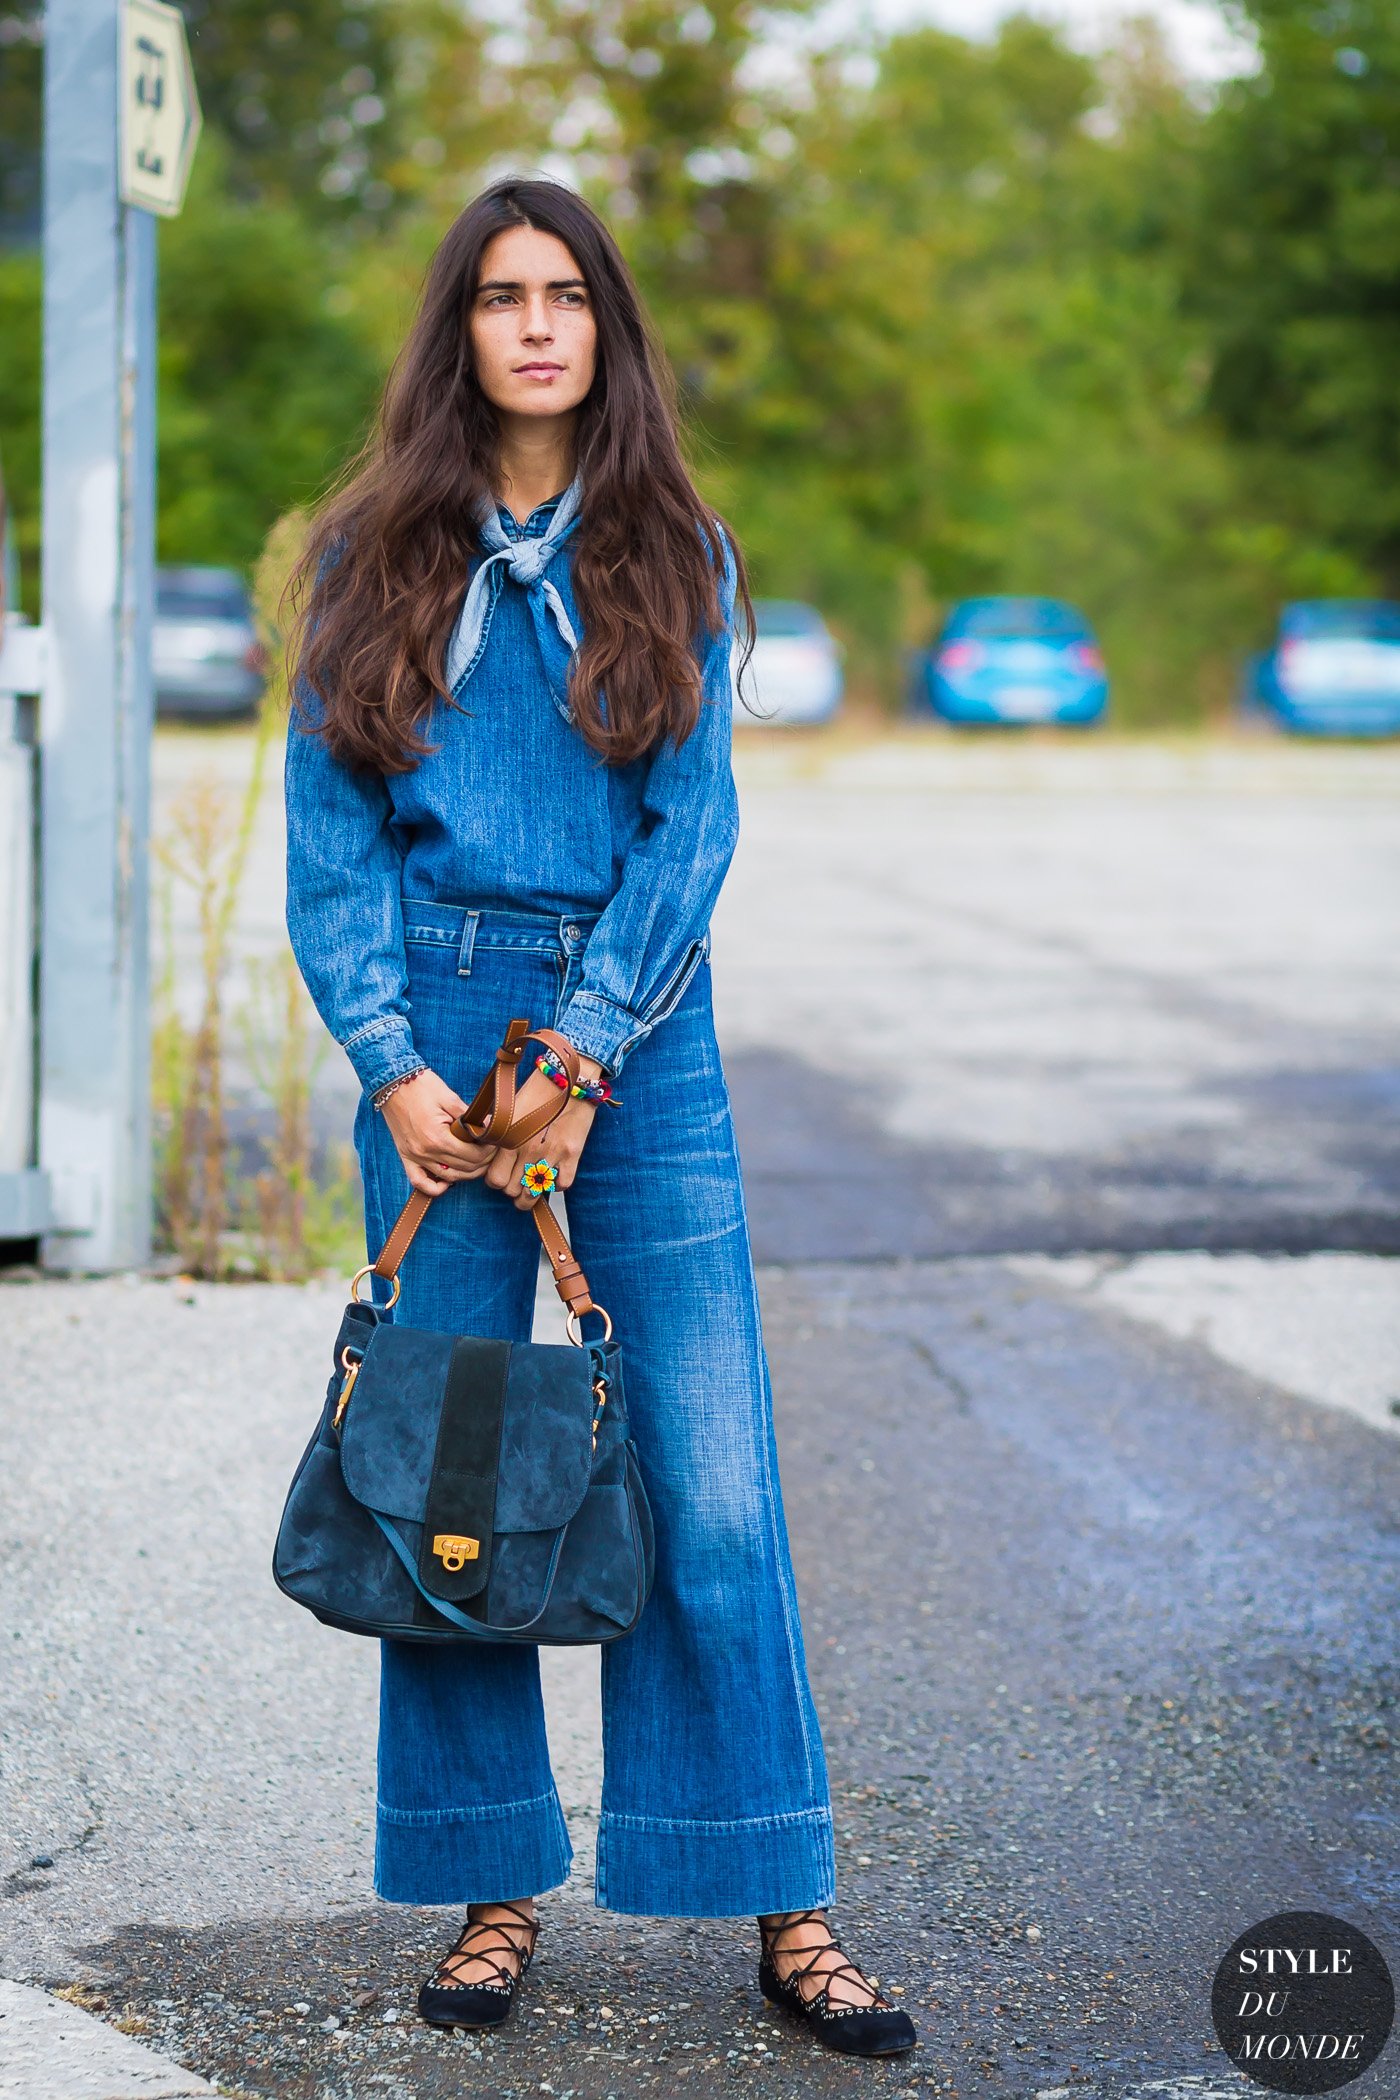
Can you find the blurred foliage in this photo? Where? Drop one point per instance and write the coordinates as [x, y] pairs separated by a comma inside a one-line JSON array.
[[264, 1201], [303, 96], [971, 331], [271, 608], [1295, 265], [21, 94], [20, 359], [347, 109], [947, 316], [264, 384]]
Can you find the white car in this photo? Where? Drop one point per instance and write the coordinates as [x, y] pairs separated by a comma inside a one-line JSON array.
[[794, 675], [205, 654]]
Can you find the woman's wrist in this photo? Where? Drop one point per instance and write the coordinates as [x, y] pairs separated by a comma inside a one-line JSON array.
[[381, 1094], [592, 1085]]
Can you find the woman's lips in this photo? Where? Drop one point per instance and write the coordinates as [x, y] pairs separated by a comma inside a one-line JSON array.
[[538, 371]]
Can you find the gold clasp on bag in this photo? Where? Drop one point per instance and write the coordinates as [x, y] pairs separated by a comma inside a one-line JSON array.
[[351, 1367], [454, 1553]]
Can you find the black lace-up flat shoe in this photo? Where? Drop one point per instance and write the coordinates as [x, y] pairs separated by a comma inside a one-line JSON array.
[[445, 2002], [876, 2029]]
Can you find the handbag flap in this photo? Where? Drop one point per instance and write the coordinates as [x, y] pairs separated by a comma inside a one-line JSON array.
[[389, 1437]]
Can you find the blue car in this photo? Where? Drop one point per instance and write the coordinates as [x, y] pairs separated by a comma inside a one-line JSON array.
[[1334, 669], [1013, 660]]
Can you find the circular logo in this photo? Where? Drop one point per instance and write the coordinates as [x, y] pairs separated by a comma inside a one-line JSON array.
[[1303, 2002]]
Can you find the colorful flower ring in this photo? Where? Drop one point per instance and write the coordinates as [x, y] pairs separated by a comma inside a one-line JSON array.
[[539, 1178]]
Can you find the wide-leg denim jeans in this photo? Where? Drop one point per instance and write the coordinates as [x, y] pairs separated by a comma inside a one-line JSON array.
[[715, 1798]]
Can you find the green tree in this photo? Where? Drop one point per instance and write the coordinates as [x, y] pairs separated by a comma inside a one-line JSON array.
[[350, 111], [265, 386], [967, 367], [302, 93], [20, 358], [1296, 267], [21, 96]]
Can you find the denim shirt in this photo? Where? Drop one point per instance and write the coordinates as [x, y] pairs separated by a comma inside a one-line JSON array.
[[512, 808]]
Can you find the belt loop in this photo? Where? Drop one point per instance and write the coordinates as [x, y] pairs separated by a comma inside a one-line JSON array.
[[464, 953]]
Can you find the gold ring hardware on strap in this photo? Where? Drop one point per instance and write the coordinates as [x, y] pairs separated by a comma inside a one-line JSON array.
[[574, 1326], [351, 1367], [358, 1278]]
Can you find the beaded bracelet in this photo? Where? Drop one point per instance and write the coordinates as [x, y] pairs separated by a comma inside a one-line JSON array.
[[378, 1099], [595, 1090]]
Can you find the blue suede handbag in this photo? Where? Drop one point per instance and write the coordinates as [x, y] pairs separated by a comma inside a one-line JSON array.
[[461, 1488]]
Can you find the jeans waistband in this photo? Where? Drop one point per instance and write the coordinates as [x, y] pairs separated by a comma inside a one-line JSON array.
[[467, 926]]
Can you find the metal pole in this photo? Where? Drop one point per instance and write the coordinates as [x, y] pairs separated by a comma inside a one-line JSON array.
[[95, 720]]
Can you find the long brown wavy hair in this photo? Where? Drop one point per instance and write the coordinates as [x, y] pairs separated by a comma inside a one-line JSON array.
[[377, 589]]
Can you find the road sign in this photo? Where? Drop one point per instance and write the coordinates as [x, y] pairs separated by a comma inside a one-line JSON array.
[[160, 115]]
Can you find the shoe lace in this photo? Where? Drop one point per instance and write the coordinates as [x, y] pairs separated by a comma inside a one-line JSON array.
[[447, 1975], [771, 1936]]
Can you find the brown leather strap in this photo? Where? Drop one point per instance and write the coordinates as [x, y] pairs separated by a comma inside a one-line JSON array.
[[492, 1117], [569, 1279], [400, 1238]]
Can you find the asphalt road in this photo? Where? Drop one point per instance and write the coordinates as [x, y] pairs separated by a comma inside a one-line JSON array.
[[1102, 1640], [1096, 1542], [1050, 998]]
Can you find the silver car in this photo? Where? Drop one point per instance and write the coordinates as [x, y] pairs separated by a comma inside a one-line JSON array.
[[205, 652], [794, 675]]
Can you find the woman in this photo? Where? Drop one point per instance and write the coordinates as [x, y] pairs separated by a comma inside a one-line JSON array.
[[516, 798]]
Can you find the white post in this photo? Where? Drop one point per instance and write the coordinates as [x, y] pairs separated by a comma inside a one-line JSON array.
[[95, 715]]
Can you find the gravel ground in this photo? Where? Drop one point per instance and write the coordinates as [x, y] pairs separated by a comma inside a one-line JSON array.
[[1098, 1629]]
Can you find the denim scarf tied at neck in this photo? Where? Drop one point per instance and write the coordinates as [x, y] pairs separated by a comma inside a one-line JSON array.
[[526, 560]]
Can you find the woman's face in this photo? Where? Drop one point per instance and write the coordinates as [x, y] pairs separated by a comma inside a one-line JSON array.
[[534, 339]]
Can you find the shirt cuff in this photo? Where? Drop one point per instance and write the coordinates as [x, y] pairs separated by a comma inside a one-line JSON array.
[[382, 1050], [599, 1028]]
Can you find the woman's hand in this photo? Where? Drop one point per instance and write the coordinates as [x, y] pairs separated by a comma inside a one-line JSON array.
[[419, 1114], [560, 1142]]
